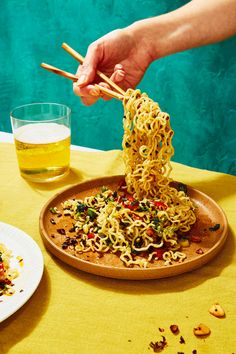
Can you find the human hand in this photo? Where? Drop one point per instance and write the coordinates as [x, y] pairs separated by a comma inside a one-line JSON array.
[[117, 55]]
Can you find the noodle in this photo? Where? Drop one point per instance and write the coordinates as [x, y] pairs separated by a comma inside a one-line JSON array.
[[7, 274], [145, 219], [147, 145], [147, 149]]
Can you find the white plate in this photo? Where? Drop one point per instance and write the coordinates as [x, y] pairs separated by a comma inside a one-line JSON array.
[[30, 273]]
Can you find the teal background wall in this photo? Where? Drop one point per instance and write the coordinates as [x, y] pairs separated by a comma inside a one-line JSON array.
[[196, 87]]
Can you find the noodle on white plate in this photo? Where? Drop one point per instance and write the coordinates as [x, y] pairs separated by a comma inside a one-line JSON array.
[[7, 274]]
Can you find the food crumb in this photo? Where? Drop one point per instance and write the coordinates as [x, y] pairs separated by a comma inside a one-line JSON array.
[[215, 227], [201, 330], [161, 329], [174, 329], [159, 345], [217, 311], [61, 231], [20, 261], [181, 340]]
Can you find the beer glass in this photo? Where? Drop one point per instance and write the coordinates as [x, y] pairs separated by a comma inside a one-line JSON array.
[[42, 140]]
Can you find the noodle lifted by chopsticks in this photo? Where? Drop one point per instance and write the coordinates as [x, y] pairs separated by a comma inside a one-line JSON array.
[[144, 220]]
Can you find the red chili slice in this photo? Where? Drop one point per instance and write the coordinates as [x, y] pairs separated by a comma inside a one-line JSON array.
[[130, 197], [1, 267], [2, 273], [196, 238], [91, 235], [132, 206], [160, 205], [159, 253], [137, 217], [150, 232]]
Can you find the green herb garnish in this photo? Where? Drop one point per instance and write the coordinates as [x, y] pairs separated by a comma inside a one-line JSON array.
[[54, 210], [182, 188], [80, 207], [92, 213]]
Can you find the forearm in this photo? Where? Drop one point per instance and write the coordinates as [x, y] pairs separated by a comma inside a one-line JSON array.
[[198, 23]]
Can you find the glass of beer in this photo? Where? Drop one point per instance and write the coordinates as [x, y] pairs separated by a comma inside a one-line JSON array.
[[42, 140]]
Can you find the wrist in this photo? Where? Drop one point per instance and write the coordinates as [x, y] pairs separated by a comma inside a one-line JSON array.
[[149, 35], [160, 36], [141, 34]]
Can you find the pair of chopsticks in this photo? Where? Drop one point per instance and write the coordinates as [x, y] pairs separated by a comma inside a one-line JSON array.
[[118, 95]]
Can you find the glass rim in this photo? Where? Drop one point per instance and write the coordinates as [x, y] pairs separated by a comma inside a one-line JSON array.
[[40, 103]]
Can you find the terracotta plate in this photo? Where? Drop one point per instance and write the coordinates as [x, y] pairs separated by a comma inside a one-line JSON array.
[[109, 265]]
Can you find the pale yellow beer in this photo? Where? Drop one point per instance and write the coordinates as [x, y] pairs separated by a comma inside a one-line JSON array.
[[43, 151]]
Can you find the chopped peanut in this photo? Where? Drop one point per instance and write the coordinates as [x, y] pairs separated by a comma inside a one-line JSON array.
[[217, 311], [201, 330]]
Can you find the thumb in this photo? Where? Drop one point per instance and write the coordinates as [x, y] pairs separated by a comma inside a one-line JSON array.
[[87, 71]]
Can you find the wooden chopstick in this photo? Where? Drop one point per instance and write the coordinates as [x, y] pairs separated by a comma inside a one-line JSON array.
[[75, 78], [80, 58], [57, 71]]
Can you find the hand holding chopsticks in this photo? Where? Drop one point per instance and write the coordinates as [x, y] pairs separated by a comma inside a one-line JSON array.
[[79, 57], [118, 95]]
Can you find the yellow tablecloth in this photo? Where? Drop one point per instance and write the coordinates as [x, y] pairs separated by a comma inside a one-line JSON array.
[[75, 312]]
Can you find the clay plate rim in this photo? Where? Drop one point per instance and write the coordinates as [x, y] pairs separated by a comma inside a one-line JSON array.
[[130, 273]]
